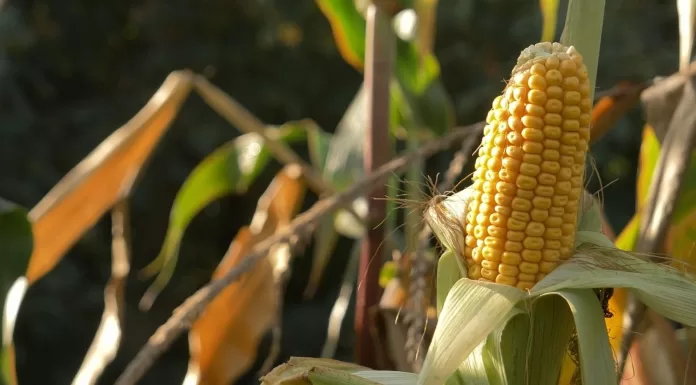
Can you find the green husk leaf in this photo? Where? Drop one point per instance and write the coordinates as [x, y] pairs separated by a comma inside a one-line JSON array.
[[583, 30], [471, 311], [327, 376], [388, 377], [473, 370], [448, 273], [551, 329], [507, 355], [664, 289], [593, 341]]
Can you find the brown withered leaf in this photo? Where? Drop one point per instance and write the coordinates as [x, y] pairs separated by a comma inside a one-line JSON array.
[[90, 189], [660, 101], [223, 341], [610, 109]]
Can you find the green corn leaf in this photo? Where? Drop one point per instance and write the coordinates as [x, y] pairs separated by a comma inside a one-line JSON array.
[[506, 352], [597, 264], [550, 330], [628, 237], [647, 161], [471, 311], [348, 27], [418, 89], [323, 371], [448, 274], [593, 341], [473, 370], [229, 169], [388, 377], [16, 244], [549, 13], [325, 239]]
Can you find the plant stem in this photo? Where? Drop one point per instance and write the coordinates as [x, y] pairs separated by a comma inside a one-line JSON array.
[[378, 70]]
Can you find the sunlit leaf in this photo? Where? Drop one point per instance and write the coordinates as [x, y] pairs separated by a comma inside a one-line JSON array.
[[229, 169], [608, 110], [549, 14], [471, 311], [224, 340], [102, 178], [16, 243], [448, 274], [348, 27], [647, 162], [687, 13], [418, 75]]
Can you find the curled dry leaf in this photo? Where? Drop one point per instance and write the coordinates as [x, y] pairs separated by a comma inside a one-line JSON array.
[[107, 174], [611, 108], [223, 341]]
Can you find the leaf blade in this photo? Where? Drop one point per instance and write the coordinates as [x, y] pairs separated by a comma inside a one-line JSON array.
[[471, 311]]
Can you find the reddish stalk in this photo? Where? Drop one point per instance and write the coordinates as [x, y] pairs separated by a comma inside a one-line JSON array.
[[377, 151]]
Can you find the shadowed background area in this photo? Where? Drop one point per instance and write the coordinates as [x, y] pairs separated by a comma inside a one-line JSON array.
[[72, 71]]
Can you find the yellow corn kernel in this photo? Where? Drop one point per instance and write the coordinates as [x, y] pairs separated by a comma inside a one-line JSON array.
[[530, 170]]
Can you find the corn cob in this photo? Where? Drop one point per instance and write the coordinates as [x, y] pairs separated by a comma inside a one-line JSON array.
[[521, 219]]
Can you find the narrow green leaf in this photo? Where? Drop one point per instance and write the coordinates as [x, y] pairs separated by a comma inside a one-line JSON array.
[[551, 328], [549, 13], [471, 311], [347, 225], [598, 264], [448, 274], [229, 169], [318, 142], [325, 239], [326, 376], [16, 243], [388, 377], [596, 358], [418, 75], [647, 161], [473, 370], [507, 348], [583, 29], [628, 237], [348, 27]]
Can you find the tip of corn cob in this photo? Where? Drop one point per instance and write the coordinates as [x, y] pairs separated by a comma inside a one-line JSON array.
[[529, 174]]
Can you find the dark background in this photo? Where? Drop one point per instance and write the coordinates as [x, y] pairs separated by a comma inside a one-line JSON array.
[[72, 71]]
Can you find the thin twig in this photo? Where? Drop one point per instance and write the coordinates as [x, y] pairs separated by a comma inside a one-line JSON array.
[[191, 309], [668, 179], [422, 265], [108, 337]]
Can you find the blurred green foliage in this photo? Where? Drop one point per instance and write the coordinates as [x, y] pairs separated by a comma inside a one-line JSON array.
[[72, 71]]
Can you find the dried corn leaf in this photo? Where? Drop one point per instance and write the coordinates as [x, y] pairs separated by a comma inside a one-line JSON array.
[[90, 189], [608, 110], [224, 339]]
